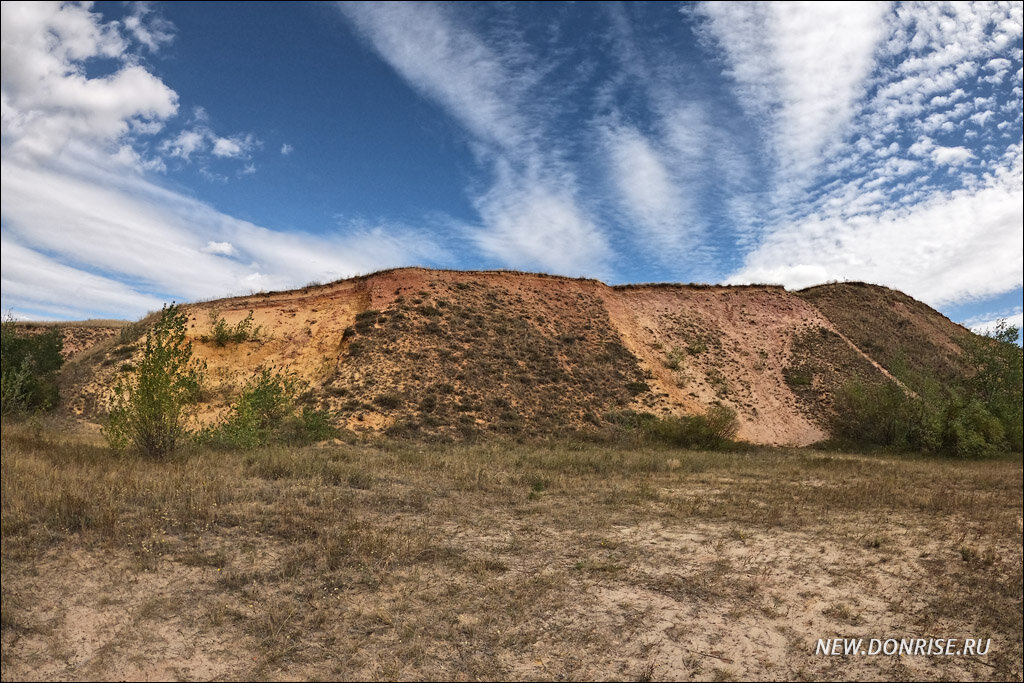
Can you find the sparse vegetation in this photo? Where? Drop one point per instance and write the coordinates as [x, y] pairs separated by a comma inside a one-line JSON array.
[[222, 333], [265, 413], [388, 559], [715, 430]]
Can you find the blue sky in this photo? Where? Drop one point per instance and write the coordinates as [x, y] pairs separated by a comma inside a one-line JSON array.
[[182, 151]]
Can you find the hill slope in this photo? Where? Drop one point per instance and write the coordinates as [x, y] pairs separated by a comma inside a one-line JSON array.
[[444, 352]]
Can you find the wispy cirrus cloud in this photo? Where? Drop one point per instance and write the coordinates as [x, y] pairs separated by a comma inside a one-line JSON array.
[[800, 70], [949, 247], [531, 216], [908, 200]]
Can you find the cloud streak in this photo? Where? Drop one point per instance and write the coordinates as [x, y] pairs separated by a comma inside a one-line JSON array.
[[86, 231]]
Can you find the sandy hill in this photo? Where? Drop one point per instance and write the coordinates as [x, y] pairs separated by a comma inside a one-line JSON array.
[[444, 352]]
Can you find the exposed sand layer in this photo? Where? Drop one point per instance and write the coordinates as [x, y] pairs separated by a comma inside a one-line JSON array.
[[506, 351]]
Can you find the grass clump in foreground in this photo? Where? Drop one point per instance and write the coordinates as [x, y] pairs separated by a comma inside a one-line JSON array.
[[495, 560]]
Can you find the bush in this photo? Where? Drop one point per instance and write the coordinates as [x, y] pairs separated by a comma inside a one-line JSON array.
[[977, 417], [999, 375], [223, 334], [148, 411], [879, 414], [714, 430], [28, 379], [265, 412]]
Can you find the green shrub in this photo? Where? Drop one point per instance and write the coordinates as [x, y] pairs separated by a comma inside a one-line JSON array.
[[674, 359], [266, 400], [29, 369], [222, 334], [969, 430], [265, 413], [877, 414], [714, 430], [388, 401], [148, 412], [999, 376], [976, 417]]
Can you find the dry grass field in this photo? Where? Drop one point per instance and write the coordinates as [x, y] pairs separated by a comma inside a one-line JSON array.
[[384, 559]]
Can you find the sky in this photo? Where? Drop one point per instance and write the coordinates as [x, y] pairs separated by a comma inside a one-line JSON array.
[[157, 152]]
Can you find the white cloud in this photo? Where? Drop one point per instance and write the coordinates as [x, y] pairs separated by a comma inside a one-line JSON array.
[[649, 192], [448, 63], [219, 248], [200, 140], [80, 236], [988, 323], [49, 101], [963, 245], [159, 241], [530, 225], [236, 146], [33, 282], [530, 216], [952, 156], [801, 67], [286, 149], [982, 117], [148, 27], [185, 144]]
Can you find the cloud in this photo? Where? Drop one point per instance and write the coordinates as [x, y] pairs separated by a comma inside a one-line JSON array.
[[286, 149], [959, 246], [800, 68], [530, 215], [148, 27], [171, 246], [238, 146], [648, 191], [533, 226], [220, 248], [447, 63], [48, 100], [185, 144], [200, 140], [81, 237], [951, 156], [989, 322], [36, 285]]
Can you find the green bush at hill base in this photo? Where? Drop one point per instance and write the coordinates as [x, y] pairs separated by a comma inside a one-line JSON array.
[[979, 417], [715, 430], [28, 369], [265, 412]]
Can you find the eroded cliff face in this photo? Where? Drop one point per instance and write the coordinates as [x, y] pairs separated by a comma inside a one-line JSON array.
[[515, 353]]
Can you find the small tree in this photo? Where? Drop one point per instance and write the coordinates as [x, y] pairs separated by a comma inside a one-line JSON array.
[[29, 369], [148, 411], [998, 363]]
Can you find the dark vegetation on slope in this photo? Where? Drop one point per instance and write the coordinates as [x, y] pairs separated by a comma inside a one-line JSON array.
[[465, 358], [964, 396]]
